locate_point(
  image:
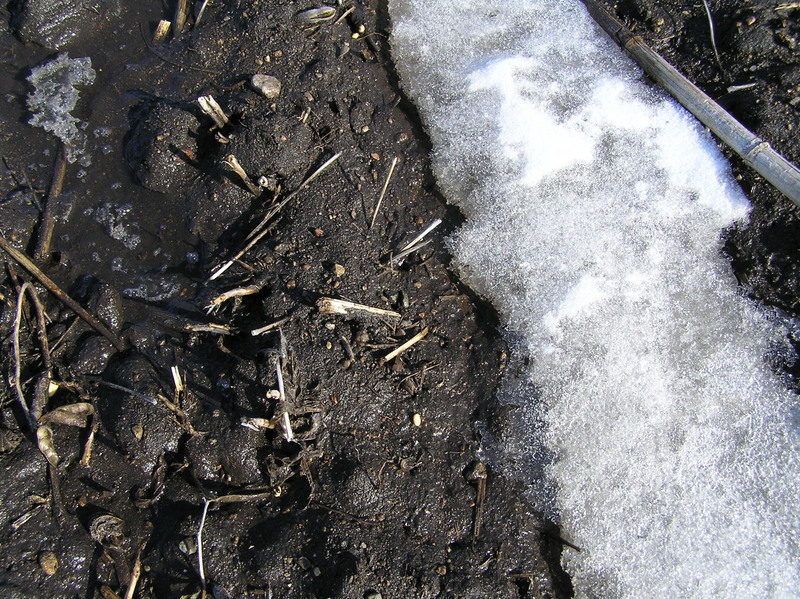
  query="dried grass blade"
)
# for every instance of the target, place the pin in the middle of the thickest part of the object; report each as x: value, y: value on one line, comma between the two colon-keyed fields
x: 259, y: 231
x: 383, y: 192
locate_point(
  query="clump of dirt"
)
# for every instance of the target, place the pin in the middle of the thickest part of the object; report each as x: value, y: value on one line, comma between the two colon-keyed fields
x: 239, y: 432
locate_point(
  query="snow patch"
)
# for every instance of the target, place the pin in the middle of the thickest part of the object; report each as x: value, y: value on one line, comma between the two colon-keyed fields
x: 54, y: 97
x: 653, y: 429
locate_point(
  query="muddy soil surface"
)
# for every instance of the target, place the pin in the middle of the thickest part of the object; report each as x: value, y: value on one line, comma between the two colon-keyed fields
x: 323, y: 450
x: 326, y: 464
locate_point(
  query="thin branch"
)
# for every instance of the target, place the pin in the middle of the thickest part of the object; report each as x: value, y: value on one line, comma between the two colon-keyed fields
x: 257, y: 233
x: 287, y: 425
x: 422, y: 235
x: 135, y: 574
x: 200, y: 567
x: 147, y: 398
x: 396, y: 258
x: 92, y: 321
x: 17, y: 369
x: 329, y: 305
x: 200, y: 13
x: 383, y: 192
x: 413, y: 341
x: 48, y: 217
x: 269, y: 327
x: 711, y: 32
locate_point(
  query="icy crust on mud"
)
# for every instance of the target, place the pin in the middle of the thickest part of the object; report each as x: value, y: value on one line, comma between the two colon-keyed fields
x: 54, y: 97
x: 595, y: 207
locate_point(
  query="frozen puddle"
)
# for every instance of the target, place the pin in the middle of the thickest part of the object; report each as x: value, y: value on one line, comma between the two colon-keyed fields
x: 595, y: 207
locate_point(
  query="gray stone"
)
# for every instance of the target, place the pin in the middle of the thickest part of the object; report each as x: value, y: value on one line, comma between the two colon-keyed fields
x: 267, y: 85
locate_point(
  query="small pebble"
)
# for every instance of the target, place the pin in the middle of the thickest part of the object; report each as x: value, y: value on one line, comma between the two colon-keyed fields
x: 188, y: 546
x: 48, y: 562
x: 338, y: 270
x: 372, y: 595
x: 267, y: 85
x: 416, y: 419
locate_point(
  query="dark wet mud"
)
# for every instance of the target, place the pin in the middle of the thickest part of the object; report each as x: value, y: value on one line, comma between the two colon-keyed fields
x: 334, y: 450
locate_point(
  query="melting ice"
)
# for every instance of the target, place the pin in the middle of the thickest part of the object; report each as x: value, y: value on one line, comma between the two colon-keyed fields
x: 595, y: 206
x: 55, y: 97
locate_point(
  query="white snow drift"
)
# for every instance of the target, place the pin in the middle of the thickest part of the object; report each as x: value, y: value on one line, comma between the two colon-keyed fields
x: 595, y: 206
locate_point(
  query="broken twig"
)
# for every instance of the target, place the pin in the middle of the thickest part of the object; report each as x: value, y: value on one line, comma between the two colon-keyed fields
x: 383, y: 192
x: 329, y: 305
x: 48, y: 216
x: 232, y: 162
x: 345, y: 14
x: 147, y: 398
x: 711, y: 33
x: 200, y: 13
x: 217, y: 329
x: 259, y: 231
x: 210, y: 107
x: 199, y: 540
x: 87, y: 448
x: 92, y: 321
x: 287, y: 425
x: 479, y: 474
x: 232, y: 293
x: 397, y: 258
x: 35, y: 411
x: 757, y: 153
x: 269, y: 327
x: 411, y: 342
x: 422, y: 235
x: 136, y: 572
x: 162, y: 29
